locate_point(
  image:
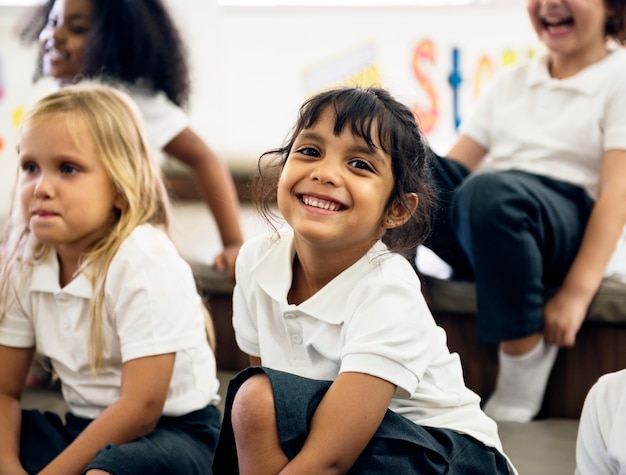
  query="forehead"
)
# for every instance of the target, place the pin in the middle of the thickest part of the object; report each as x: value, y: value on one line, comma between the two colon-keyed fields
x: 344, y: 123
x: 55, y: 131
x: 72, y: 7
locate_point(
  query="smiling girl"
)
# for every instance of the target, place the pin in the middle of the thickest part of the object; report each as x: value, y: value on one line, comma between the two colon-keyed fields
x: 537, y: 220
x: 350, y: 372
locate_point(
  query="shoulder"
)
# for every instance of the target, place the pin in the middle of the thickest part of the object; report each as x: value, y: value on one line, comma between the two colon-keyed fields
x: 617, y: 58
x: 255, y: 248
x: 390, y: 266
x: 147, y: 247
x: 610, y: 389
x: 512, y: 81
x: 612, y: 71
x: 380, y: 279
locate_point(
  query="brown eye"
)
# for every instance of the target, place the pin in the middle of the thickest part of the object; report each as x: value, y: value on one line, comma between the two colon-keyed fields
x: 361, y: 165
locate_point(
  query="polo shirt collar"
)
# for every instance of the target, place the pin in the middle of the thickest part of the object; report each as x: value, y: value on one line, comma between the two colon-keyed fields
x: 273, y: 272
x: 45, y: 278
x: 586, y: 82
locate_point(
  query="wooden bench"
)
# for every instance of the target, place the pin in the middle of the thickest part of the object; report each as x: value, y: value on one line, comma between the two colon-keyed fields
x: 599, y: 345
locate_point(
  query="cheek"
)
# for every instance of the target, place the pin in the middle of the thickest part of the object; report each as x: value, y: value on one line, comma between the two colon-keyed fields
x: 43, y: 36
x: 78, y: 48
x: 282, y: 189
x: 286, y: 179
x: 23, y: 202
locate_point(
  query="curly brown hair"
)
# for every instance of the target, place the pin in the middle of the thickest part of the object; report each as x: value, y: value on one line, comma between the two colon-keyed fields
x: 129, y: 40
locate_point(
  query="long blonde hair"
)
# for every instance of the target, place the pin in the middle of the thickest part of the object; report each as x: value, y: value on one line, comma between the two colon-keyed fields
x: 115, y: 130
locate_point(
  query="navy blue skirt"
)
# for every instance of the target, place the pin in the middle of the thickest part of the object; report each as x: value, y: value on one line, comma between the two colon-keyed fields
x: 398, y: 446
x: 181, y: 445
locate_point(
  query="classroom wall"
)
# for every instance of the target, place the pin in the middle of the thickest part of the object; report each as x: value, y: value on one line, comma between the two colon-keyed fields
x: 253, y: 67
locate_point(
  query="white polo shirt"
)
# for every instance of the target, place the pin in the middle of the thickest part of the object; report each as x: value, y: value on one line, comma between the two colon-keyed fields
x: 558, y: 128
x: 370, y: 319
x: 601, y: 442
x: 152, y: 308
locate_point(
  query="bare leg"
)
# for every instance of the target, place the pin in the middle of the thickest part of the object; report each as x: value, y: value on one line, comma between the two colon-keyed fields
x: 520, y: 346
x: 255, y: 428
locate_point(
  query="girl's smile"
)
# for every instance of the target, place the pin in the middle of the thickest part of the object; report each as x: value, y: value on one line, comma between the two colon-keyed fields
x: 572, y: 30
x: 64, y: 39
x: 321, y: 203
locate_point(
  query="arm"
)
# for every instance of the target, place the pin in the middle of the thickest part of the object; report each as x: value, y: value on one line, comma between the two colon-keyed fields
x: 468, y: 152
x: 15, y: 364
x: 144, y: 387
x: 343, y: 424
x: 565, y: 312
x: 218, y: 190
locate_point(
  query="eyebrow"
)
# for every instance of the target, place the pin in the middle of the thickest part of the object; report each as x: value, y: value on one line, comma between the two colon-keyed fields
x: 79, y: 16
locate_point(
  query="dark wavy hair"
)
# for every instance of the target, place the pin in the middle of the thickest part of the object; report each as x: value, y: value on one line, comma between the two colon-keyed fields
x: 615, y: 27
x: 129, y: 40
x: 375, y: 116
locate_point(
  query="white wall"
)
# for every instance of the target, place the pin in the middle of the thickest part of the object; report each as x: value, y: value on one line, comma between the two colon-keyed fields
x: 253, y: 67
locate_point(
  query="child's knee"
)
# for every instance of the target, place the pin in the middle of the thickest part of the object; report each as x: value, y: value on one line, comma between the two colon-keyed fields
x: 490, y: 198
x: 253, y: 405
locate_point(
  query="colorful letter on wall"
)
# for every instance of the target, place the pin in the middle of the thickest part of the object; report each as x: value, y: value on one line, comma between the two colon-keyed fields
x: 455, y: 79
x: 426, y: 116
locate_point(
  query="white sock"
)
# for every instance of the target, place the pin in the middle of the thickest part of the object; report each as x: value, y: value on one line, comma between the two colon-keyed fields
x: 521, y: 384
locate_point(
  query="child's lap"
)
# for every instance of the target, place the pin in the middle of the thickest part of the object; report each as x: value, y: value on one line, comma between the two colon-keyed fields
x: 398, y: 446
x: 182, y: 445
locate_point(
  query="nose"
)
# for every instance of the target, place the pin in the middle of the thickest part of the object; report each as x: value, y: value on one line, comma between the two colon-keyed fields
x: 43, y: 188
x: 327, y: 171
x: 51, y: 32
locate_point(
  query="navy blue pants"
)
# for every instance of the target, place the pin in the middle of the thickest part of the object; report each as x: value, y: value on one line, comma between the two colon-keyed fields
x: 514, y: 234
x: 399, y: 446
x: 180, y: 445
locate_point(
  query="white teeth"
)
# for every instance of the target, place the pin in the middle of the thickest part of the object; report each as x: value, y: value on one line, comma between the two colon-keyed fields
x: 55, y: 54
x: 317, y: 203
x: 557, y: 21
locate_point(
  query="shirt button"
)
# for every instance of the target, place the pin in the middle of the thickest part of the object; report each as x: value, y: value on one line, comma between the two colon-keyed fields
x: 296, y: 339
x: 62, y: 298
x: 66, y: 325
x: 290, y: 315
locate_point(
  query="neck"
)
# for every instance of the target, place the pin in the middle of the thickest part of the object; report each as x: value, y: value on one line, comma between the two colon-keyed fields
x: 562, y: 66
x: 314, y: 267
x: 68, y: 265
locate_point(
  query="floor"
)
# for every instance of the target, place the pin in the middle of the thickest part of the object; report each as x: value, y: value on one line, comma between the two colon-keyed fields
x: 544, y: 447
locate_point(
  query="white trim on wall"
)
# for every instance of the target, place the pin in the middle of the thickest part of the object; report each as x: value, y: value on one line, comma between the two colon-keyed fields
x: 348, y: 3
x: 18, y: 3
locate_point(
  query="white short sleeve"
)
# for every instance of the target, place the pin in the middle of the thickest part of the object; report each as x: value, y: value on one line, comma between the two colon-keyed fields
x: 602, y: 430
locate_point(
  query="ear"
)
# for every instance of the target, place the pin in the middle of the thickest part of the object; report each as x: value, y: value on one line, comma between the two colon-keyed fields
x: 399, y: 213
x: 119, y: 202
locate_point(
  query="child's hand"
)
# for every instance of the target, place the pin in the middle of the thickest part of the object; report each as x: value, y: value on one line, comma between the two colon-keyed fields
x: 225, y: 261
x: 563, y: 316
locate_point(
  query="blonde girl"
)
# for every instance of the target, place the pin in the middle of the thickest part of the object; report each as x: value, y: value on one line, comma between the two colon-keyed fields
x: 90, y: 278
